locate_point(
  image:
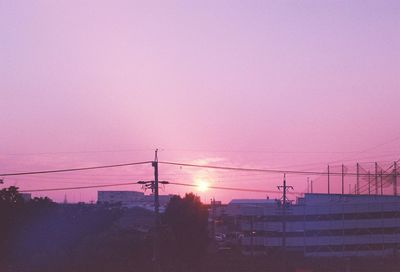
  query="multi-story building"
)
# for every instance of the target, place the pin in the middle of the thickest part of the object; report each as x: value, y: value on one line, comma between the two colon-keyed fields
x: 130, y: 199
x: 324, y: 225
x: 125, y: 198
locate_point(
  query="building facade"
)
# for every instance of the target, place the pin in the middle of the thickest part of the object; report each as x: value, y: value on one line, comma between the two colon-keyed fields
x: 321, y: 225
x: 130, y: 199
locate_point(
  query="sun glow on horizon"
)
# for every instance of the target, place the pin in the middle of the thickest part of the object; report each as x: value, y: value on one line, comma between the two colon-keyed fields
x: 202, y: 185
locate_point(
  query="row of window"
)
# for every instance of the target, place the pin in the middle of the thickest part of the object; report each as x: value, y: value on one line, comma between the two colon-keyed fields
x: 311, y: 249
x: 325, y: 217
x: 327, y: 232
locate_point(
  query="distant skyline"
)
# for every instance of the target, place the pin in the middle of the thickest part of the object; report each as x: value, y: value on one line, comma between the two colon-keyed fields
x: 262, y: 84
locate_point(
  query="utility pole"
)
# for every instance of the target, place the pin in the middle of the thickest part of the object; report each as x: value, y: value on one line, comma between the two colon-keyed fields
x: 213, y: 218
x: 381, y: 181
x: 376, y: 178
x: 252, y: 235
x: 369, y: 182
x: 284, y: 188
x: 395, y: 178
x: 357, y: 191
x: 329, y: 184
x: 153, y: 185
x: 342, y: 179
x: 156, y: 249
x: 312, y: 188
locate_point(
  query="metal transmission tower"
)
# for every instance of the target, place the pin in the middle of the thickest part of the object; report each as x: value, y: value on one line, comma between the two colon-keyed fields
x: 285, y: 203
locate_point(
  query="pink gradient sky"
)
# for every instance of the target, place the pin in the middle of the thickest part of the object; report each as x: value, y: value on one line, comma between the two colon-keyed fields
x: 271, y: 84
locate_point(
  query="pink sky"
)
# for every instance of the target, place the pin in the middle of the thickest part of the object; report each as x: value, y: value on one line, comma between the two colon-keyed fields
x: 267, y: 84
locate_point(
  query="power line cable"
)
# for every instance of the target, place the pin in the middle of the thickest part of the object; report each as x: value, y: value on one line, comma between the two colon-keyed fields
x: 259, y: 169
x: 232, y: 188
x: 181, y: 164
x: 75, y: 152
x: 258, y: 151
x: 78, y: 187
x: 72, y: 169
x: 135, y: 183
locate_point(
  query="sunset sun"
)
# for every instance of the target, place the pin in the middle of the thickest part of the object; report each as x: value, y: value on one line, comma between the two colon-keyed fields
x: 202, y: 185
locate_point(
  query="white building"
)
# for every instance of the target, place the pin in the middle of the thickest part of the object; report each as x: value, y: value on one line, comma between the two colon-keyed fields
x: 130, y: 199
x: 321, y: 225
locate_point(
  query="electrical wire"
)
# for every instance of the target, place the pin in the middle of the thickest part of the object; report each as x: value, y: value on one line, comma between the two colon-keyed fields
x: 78, y: 187
x: 169, y: 183
x: 72, y: 169
x: 233, y: 188
x: 259, y: 169
x: 172, y: 183
x: 76, y: 152
x: 256, y: 151
x: 183, y: 164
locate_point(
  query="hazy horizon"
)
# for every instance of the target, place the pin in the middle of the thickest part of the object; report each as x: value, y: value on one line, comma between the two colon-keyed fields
x: 259, y: 84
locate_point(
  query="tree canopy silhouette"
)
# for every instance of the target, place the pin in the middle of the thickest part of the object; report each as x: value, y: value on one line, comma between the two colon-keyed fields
x: 186, y: 219
x: 10, y: 197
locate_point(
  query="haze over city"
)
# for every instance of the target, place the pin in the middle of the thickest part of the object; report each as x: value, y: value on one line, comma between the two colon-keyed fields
x: 256, y: 84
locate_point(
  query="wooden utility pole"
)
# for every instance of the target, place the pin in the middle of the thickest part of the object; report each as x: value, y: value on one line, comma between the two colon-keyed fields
x: 156, y: 248
x: 154, y: 185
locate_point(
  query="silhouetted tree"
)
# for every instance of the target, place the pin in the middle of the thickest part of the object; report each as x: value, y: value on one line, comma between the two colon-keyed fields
x: 11, y: 206
x: 10, y: 197
x: 186, y: 219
